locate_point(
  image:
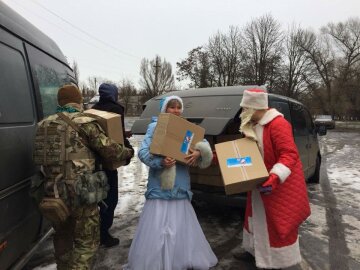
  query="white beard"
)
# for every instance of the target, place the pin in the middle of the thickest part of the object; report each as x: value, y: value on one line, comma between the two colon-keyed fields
x: 246, y: 126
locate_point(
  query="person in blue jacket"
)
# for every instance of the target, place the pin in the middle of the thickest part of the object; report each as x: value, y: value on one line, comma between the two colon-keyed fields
x: 169, y: 236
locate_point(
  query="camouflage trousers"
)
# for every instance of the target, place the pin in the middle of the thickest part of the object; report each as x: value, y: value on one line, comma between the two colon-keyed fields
x: 77, y: 239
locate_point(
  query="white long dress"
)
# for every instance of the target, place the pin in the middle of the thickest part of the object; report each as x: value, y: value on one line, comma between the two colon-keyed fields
x: 169, y: 237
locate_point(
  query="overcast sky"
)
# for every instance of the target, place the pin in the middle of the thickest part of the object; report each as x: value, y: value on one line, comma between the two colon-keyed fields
x: 132, y: 29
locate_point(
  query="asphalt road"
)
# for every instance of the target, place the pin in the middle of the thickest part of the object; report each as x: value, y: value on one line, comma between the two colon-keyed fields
x: 329, y: 239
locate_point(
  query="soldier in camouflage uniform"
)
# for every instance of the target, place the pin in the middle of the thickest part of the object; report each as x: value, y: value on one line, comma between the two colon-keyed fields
x: 77, y: 239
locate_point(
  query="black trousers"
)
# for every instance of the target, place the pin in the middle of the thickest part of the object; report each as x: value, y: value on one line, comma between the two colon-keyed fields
x: 107, y: 214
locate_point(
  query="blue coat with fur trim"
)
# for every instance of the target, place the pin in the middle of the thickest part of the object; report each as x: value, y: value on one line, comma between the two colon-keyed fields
x: 181, y: 189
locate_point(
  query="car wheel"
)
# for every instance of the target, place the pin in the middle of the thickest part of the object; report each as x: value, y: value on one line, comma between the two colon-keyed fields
x: 315, y: 178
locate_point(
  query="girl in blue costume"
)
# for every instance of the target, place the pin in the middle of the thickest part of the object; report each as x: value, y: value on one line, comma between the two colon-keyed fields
x: 169, y: 236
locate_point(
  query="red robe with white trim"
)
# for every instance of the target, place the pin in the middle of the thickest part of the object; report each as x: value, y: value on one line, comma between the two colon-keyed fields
x: 272, y: 221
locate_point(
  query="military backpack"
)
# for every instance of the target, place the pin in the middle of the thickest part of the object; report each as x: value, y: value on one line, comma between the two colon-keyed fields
x: 62, y: 151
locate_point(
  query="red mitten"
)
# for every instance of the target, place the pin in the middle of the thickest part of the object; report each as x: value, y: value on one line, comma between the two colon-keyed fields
x: 270, y: 184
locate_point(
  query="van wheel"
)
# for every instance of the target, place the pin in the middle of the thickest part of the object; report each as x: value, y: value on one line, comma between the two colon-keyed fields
x: 315, y: 178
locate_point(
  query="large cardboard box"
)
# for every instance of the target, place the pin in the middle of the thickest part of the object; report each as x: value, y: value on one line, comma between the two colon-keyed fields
x: 173, y: 136
x: 241, y: 165
x: 110, y: 122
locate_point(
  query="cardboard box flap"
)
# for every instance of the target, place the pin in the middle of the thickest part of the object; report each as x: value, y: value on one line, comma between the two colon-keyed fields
x: 102, y: 114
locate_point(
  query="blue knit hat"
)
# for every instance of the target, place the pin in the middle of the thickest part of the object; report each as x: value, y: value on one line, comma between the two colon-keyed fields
x: 164, y: 102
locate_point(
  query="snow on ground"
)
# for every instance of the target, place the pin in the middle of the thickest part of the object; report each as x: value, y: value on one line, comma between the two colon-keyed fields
x: 341, y: 156
x: 343, y: 172
x: 343, y: 167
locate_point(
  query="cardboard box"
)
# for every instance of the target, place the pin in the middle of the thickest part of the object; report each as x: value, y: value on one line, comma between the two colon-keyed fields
x: 110, y: 122
x: 173, y: 136
x: 241, y: 165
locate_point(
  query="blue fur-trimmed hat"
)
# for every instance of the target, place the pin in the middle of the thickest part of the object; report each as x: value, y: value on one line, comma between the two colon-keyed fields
x: 164, y: 102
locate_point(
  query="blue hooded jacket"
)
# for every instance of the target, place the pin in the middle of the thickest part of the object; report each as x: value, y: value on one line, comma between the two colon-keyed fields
x: 108, y: 91
x: 181, y: 189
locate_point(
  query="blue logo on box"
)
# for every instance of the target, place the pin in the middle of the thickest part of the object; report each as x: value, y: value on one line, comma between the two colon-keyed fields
x: 238, y: 162
x: 186, y: 142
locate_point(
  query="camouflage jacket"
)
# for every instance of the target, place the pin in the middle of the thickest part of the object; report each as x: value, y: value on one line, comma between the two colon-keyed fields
x: 80, y: 153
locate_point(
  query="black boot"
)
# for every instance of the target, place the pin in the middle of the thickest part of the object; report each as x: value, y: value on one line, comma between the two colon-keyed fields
x: 106, y: 240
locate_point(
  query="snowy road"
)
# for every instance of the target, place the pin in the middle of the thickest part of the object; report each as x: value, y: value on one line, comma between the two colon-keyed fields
x: 330, y: 238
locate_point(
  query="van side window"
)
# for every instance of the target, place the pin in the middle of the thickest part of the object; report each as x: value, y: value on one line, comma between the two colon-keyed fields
x: 299, y: 120
x: 282, y: 107
x: 15, y: 98
x: 50, y: 75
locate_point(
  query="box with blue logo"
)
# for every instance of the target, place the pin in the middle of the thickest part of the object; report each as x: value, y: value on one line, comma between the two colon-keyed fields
x: 241, y: 165
x: 174, y: 135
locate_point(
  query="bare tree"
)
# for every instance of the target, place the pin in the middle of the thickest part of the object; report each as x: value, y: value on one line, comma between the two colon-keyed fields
x: 196, y: 67
x: 156, y: 77
x: 95, y: 81
x: 320, y: 52
x: 297, y: 70
x: 126, y: 90
x: 225, y: 51
x: 262, y: 39
x: 346, y: 38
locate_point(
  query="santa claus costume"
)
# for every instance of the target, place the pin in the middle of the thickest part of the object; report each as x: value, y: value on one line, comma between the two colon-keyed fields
x: 272, y: 219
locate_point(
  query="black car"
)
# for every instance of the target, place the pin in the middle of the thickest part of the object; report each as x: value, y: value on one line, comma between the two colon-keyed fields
x: 324, y: 120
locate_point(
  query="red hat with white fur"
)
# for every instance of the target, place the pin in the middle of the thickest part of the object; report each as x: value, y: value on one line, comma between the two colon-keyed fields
x: 255, y: 98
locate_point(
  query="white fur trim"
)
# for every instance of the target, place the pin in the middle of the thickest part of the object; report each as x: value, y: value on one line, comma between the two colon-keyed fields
x: 167, y: 177
x: 166, y: 101
x: 254, y: 99
x: 206, y: 154
x: 269, y: 116
x: 281, y: 170
x: 257, y: 240
x: 259, y: 131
